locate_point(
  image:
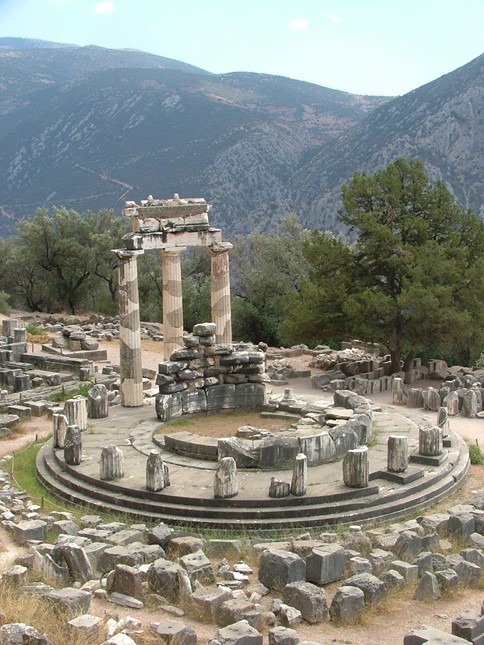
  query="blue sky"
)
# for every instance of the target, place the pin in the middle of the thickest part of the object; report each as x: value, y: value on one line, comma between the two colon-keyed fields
x: 384, y: 47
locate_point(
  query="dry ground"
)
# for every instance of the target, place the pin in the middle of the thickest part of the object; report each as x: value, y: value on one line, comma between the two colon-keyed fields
x: 385, y: 625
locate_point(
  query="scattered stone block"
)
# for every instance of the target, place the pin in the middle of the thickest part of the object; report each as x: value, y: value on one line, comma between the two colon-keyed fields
x: 283, y: 636
x: 14, y: 633
x: 174, y: 632
x: 169, y: 579
x: 124, y: 600
x: 309, y: 599
x: 216, y: 548
x: 428, y: 588
x: 69, y: 600
x: 233, y: 610
x: 279, y: 568
x: 448, y: 580
x: 85, y: 626
x: 183, y: 545
x: 469, y: 625
x: 239, y: 633
x: 408, y: 571
x: 380, y: 560
x: 127, y: 580
x: 77, y: 562
x: 27, y: 530
x: 358, y: 564
x: 427, y: 634
x: 408, y: 545
x: 15, y: 576
x: 325, y: 564
x: 461, y: 526
x: 289, y: 616
x: 393, y: 579
x: 198, y: 567
x: 206, y: 601
x: 347, y: 605
x: 160, y: 534
x: 469, y: 574
x: 373, y: 588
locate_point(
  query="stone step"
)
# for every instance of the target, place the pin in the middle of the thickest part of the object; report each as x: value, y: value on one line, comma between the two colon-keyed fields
x: 406, y: 500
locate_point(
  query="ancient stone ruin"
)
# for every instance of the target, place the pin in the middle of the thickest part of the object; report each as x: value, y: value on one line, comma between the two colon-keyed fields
x: 169, y: 226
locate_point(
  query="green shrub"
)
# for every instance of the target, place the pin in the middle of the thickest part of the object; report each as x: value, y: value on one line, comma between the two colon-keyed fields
x: 480, y: 361
x: 34, y: 330
x: 475, y: 454
x: 4, y: 306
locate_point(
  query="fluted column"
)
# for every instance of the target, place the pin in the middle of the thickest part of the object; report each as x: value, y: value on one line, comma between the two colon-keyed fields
x: 172, y: 301
x: 131, y: 375
x: 220, y: 291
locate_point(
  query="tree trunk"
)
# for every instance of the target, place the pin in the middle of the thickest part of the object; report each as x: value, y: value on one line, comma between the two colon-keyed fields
x: 395, y: 358
x: 409, y: 360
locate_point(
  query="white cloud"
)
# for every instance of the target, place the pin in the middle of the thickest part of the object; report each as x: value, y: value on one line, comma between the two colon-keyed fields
x: 298, y: 23
x: 334, y: 18
x: 104, y: 7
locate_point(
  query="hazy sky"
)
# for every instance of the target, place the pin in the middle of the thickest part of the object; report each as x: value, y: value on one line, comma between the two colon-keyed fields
x: 363, y: 46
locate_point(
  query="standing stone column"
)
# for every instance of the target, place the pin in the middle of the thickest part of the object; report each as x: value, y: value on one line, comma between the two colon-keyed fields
x: 220, y: 291
x: 430, y: 441
x: 398, y: 392
x: 356, y: 468
x: 59, y: 428
x: 97, y: 402
x: 157, y: 474
x: 73, y: 446
x: 76, y: 412
x: 131, y: 375
x: 111, y: 465
x: 443, y: 421
x: 397, y: 455
x: 225, y: 481
x: 172, y: 301
x: 299, y: 475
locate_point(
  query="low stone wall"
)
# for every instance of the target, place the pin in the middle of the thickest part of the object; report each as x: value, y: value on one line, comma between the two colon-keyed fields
x: 318, y: 434
x: 208, y: 377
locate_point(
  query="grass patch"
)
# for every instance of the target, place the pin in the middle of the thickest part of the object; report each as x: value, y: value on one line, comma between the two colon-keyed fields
x: 65, y: 394
x: 23, y: 473
x: 475, y: 455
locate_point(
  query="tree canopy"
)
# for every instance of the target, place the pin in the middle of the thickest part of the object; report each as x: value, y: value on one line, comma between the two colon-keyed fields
x: 413, y: 277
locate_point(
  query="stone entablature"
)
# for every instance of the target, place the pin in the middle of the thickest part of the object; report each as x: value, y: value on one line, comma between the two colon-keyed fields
x: 170, y: 223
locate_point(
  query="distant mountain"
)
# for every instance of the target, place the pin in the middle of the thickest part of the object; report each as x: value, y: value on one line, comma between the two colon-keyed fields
x: 88, y: 128
x: 441, y: 123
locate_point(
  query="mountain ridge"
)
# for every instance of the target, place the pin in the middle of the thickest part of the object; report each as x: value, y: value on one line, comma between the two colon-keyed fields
x: 88, y: 128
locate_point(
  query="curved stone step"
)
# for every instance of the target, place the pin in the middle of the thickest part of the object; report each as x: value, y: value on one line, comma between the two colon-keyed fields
x: 235, y: 513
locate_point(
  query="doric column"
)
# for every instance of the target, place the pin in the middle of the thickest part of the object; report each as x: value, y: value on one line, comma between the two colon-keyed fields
x: 220, y: 293
x: 129, y: 330
x: 172, y: 301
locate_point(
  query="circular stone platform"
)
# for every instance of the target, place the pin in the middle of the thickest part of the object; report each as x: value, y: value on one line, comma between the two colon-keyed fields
x: 189, y: 499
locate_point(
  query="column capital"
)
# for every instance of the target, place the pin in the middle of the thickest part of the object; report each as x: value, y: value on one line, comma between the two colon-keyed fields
x: 173, y: 250
x: 221, y: 247
x: 126, y: 254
